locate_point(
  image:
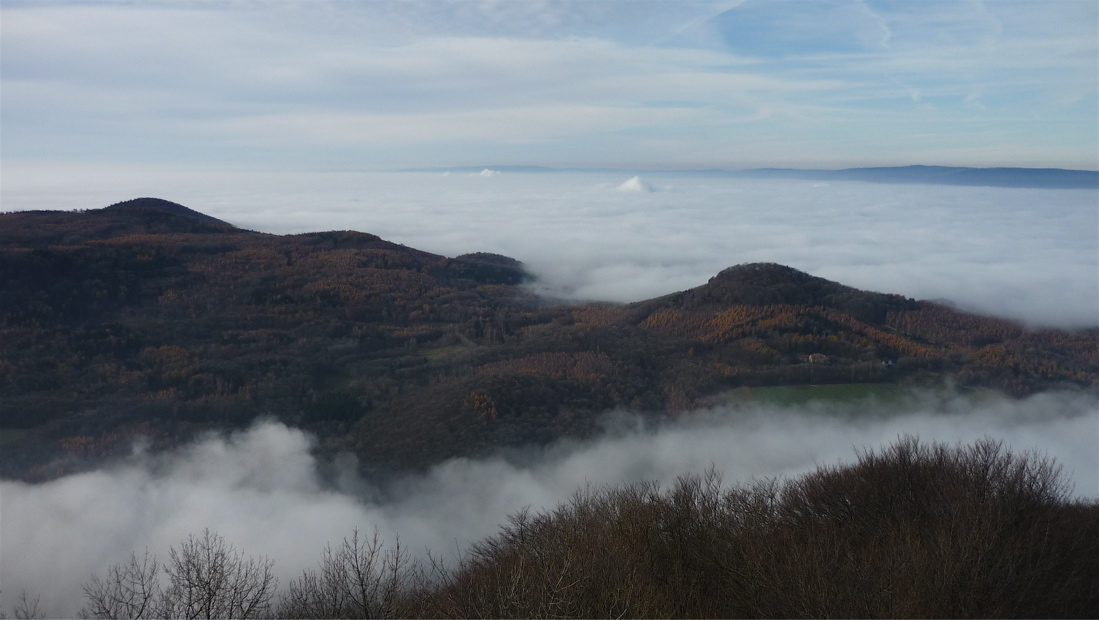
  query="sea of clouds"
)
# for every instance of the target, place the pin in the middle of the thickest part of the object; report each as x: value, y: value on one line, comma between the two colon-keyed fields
x: 265, y: 493
x: 1026, y: 254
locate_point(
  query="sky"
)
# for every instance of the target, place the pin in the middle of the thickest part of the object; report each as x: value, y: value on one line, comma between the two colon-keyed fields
x: 267, y: 494
x: 341, y: 85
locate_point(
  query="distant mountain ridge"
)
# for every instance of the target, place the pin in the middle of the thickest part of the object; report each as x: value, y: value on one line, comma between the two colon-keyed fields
x: 1039, y: 178
x: 1043, y: 178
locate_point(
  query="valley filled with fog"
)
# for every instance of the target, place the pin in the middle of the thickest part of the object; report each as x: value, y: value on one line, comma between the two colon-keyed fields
x: 1025, y: 254
x: 266, y: 493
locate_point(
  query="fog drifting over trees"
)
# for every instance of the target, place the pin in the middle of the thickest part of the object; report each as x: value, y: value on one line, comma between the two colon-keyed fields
x: 265, y: 493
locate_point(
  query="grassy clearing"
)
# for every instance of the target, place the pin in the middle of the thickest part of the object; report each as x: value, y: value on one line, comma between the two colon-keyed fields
x: 802, y: 394
x: 12, y: 435
x: 442, y: 351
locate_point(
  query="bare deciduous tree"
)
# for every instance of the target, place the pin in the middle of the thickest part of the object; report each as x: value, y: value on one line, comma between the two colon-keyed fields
x: 207, y: 578
x: 358, y: 579
x: 130, y: 590
x: 25, y: 609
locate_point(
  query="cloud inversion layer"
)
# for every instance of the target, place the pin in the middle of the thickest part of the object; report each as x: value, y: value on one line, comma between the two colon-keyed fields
x: 1028, y: 254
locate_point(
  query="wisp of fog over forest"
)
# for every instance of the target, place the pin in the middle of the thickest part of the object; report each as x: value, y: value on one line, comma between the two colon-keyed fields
x: 265, y: 492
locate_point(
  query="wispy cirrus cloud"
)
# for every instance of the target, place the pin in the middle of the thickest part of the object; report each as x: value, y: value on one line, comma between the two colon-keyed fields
x: 848, y: 82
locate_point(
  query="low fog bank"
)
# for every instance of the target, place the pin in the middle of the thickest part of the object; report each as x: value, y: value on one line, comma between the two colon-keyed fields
x: 265, y: 493
x: 1026, y: 254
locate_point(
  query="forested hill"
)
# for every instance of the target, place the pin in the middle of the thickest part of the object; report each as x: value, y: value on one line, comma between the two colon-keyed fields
x: 138, y: 216
x: 147, y: 319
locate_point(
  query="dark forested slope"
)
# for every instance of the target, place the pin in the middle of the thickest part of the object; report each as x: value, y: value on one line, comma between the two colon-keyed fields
x: 147, y: 319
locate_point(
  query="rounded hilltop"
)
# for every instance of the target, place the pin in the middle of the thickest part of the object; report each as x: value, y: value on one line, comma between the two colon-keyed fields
x: 760, y: 284
x: 166, y: 211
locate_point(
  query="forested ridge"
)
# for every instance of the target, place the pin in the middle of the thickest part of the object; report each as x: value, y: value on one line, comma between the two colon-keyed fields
x: 149, y: 320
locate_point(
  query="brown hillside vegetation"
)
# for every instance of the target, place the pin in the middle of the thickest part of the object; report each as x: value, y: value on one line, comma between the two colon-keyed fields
x: 914, y: 530
x: 149, y: 320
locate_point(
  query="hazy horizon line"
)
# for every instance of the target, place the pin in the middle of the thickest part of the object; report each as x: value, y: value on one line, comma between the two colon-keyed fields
x: 644, y: 168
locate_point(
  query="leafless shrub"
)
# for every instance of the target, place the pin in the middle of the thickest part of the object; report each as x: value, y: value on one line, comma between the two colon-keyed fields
x: 933, y: 530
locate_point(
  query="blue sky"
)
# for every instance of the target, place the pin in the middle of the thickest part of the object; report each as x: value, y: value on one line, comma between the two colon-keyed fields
x: 381, y: 85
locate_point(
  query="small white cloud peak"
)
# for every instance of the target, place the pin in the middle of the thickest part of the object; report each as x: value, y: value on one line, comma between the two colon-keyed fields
x: 635, y: 184
x: 489, y: 173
